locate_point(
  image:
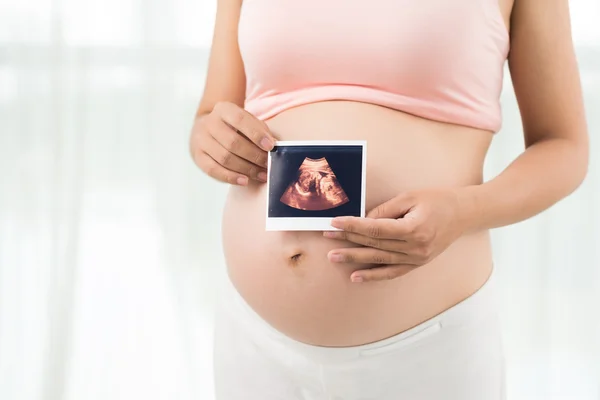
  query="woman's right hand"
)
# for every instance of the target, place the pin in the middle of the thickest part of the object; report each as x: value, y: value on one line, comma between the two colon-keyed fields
x: 231, y: 145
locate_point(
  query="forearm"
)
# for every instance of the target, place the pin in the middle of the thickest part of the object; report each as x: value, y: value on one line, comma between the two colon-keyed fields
x: 541, y: 176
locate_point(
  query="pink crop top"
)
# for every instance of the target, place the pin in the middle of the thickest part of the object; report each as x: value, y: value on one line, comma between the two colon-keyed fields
x: 437, y: 59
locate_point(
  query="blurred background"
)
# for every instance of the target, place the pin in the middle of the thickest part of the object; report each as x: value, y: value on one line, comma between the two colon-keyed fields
x: 109, y: 235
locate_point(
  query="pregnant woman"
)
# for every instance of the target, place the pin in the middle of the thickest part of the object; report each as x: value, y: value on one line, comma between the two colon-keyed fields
x: 399, y: 304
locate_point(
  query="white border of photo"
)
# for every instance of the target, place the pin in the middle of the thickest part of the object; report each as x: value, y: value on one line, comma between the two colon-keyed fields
x: 313, y: 223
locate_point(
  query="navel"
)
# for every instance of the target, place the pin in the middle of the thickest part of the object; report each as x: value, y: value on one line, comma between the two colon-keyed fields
x: 295, y: 259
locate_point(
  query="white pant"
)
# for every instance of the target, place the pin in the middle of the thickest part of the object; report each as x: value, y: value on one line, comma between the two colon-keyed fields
x: 456, y: 355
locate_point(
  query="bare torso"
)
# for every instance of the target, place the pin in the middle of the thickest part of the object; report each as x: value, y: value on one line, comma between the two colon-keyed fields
x: 286, y: 276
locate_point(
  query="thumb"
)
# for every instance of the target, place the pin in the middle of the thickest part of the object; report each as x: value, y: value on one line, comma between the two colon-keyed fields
x: 394, y: 208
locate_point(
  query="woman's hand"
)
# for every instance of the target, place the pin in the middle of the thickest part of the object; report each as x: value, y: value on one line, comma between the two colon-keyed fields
x: 401, y: 234
x: 231, y: 145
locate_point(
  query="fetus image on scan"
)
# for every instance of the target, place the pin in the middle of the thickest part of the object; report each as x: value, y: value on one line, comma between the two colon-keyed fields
x: 315, y: 188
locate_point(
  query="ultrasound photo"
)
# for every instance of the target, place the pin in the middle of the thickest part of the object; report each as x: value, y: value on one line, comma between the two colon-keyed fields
x: 311, y: 182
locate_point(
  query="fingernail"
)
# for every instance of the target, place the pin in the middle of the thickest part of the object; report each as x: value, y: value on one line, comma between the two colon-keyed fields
x: 337, y: 222
x: 357, y: 279
x: 329, y: 234
x: 262, y: 176
x: 242, y: 180
x: 335, y: 257
x: 266, y: 143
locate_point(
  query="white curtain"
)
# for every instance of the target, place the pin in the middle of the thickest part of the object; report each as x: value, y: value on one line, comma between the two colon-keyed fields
x: 109, y: 236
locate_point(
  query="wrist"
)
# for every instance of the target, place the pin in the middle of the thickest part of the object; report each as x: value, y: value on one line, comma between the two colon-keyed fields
x: 470, y: 210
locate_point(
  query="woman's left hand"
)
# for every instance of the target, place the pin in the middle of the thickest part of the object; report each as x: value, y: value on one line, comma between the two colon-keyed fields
x: 406, y: 232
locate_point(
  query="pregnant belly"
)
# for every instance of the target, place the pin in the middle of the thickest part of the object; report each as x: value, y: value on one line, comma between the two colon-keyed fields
x: 286, y: 276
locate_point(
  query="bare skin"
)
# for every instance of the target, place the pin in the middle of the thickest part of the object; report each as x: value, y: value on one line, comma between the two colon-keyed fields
x: 430, y: 212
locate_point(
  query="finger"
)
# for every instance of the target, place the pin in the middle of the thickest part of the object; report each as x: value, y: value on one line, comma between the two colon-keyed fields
x: 400, y: 246
x: 218, y: 172
x: 385, y: 228
x: 232, y: 162
x: 366, y: 255
x: 237, y: 144
x: 381, y: 273
x: 396, y: 207
x: 247, y: 124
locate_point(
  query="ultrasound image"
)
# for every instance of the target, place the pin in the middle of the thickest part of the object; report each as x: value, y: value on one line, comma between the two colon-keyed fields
x: 316, y: 187
x: 315, y: 181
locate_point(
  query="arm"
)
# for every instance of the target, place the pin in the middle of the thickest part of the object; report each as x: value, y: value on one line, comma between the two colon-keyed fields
x: 225, y: 78
x: 226, y: 142
x: 546, y: 82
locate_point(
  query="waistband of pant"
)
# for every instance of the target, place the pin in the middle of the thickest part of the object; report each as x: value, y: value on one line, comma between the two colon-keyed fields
x: 478, y: 306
